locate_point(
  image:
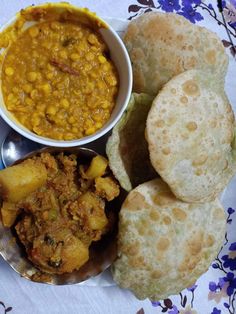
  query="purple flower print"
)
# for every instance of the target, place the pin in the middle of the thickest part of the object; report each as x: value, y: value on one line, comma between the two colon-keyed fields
x: 216, y: 287
x: 230, y: 210
x: 191, y: 2
x: 174, y: 310
x: 226, y: 305
x: 210, y: 6
x: 221, y: 283
x: 215, y: 265
x: 166, y: 306
x: 233, y: 2
x: 156, y: 303
x: 232, y: 246
x: 191, y: 13
x: 192, y: 288
x: 232, y: 283
x: 230, y: 13
x: 217, y: 291
x: 229, y: 262
x: 213, y: 286
x: 216, y: 311
x: 169, y: 5
x: 221, y: 5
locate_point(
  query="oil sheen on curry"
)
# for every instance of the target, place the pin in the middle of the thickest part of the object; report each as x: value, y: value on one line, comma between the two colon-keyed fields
x: 58, y: 79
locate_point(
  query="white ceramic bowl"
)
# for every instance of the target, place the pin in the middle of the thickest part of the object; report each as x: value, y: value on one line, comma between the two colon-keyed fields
x: 120, y: 57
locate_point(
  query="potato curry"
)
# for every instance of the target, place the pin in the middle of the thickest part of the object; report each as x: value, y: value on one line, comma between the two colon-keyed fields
x: 58, y: 79
x: 57, y: 205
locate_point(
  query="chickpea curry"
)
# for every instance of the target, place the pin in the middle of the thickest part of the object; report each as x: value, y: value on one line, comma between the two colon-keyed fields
x: 57, y: 206
x: 58, y: 79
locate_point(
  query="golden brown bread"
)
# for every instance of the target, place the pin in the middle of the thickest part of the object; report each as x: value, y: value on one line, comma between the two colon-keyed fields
x: 190, y: 132
x: 127, y: 148
x: 162, y: 45
x: 164, y: 244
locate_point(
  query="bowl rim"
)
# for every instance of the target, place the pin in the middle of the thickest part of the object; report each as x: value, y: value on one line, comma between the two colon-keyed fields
x: 86, y: 139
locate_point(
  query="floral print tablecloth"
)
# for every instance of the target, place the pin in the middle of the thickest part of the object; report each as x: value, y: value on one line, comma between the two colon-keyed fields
x: 215, y: 291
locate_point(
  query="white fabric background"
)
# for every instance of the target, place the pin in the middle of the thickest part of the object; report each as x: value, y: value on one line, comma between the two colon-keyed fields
x: 26, y: 297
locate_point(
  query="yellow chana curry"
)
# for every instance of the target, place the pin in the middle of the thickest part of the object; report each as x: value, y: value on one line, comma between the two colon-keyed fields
x: 57, y: 206
x: 58, y: 80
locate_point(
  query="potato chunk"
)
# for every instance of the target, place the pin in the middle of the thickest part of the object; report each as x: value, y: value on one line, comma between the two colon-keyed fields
x: 97, y: 222
x: 97, y: 167
x: 74, y: 255
x: 107, y: 187
x: 58, y: 256
x: 19, y: 181
x: 8, y: 214
x: 93, y: 208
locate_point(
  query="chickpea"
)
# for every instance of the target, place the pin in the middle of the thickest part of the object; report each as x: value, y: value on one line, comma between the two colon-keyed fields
x: 63, y: 54
x: 89, y: 56
x: 27, y: 88
x: 71, y: 120
x: 55, y: 93
x: 32, y: 76
x: 98, y: 125
x: 49, y: 75
x: 41, y: 110
x: 9, y: 71
x: 10, y: 106
x: 29, y: 101
x: 46, y: 88
x: 20, y: 23
x: 51, y: 110
x: 75, y: 56
x: 69, y: 136
x: 37, y: 129
x: 97, y: 117
x: 94, y: 48
x: 22, y: 119
x: 36, y: 121
x: 111, y: 80
x: 105, y: 104
x: 10, y: 97
x: 50, y: 67
x: 55, y: 25
x: 80, y: 35
x: 101, y: 85
x: 88, y: 123
x: 16, y: 90
x: 106, y: 66
x: 92, y: 39
x: 88, y: 67
x: 75, y: 130
x: 93, y: 75
x: 65, y: 103
x: 90, y: 131
x: 34, y: 94
x: 102, y: 59
x: 34, y: 31
x: 82, y: 46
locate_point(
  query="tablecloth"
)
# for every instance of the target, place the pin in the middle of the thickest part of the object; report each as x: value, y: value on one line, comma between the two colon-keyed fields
x: 215, y: 291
